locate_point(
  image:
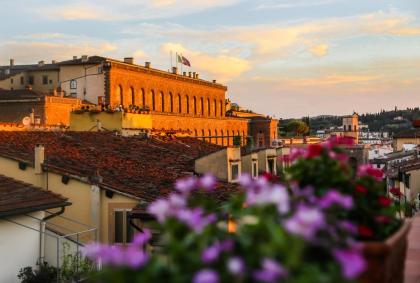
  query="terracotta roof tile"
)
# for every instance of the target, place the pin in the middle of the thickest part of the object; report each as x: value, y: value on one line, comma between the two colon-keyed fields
x: 145, y: 168
x: 17, y: 198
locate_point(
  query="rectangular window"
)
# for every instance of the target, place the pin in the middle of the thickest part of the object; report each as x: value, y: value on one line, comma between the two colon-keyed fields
x: 44, y: 80
x: 31, y: 80
x: 235, y: 171
x: 254, y: 170
x: 123, y: 231
x: 100, y: 70
x: 11, y: 81
x: 270, y: 163
x: 22, y: 80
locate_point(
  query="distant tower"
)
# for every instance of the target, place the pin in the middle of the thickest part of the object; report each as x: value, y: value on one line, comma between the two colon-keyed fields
x: 351, y: 126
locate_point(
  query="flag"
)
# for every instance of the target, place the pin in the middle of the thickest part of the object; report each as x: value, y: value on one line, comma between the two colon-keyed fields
x: 185, y: 61
x: 179, y: 58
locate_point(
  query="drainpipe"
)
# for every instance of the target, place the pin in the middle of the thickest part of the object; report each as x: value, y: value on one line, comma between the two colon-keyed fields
x: 42, y: 233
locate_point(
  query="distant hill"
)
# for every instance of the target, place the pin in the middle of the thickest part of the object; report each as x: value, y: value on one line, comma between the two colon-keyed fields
x: 394, y: 121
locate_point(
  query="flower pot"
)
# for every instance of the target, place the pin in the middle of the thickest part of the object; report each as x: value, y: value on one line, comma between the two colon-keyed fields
x: 386, y: 260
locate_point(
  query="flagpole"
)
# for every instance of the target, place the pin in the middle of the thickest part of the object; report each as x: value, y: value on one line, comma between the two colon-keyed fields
x: 171, y: 60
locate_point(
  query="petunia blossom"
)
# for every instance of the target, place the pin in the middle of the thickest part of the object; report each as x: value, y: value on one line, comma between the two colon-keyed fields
x: 351, y: 261
x: 206, y: 276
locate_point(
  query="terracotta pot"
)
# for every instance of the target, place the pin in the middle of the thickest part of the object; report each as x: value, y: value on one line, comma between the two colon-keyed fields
x: 386, y: 260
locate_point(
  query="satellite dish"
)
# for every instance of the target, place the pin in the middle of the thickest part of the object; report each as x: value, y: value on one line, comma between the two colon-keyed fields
x: 26, y: 121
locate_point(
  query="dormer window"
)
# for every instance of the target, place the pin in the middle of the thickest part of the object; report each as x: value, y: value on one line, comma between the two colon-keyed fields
x: 270, y: 165
x: 234, y: 168
x: 254, y: 169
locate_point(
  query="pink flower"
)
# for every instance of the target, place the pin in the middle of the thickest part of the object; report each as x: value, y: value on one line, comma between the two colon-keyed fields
x: 206, y: 276
x: 160, y: 209
x: 208, y: 182
x: 314, y: 150
x: 140, y: 239
x: 236, y: 266
x: 306, y: 222
x: 351, y: 261
x: 333, y: 197
x: 368, y: 170
x: 186, y: 185
x: 271, y: 271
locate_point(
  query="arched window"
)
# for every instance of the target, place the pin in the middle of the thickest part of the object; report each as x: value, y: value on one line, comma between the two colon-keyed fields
x: 133, y: 99
x: 215, y: 108
x: 215, y: 136
x: 223, y: 137
x: 143, y: 98
x: 153, y: 101
x: 195, y: 105
x: 119, y: 96
x: 209, y: 136
x: 243, y: 138
x: 202, y: 134
x: 202, y: 106
x: 179, y: 104
x: 188, y: 104
x: 195, y: 132
x: 221, y: 108
x: 171, y: 103
x: 208, y: 107
x: 162, y: 101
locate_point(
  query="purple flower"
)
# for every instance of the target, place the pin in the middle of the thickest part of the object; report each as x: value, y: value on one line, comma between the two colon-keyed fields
x: 245, y: 180
x: 348, y: 226
x: 208, y: 182
x: 206, y: 276
x: 333, y: 197
x: 186, y: 185
x: 351, y: 261
x: 269, y: 194
x: 271, y: 271
x: 305, y: 222
x: 160, y: 209
x: 140, y: 239
x: 236, y: 265
x: 211, y: 253
x: 135, y: 258
x: 195, y: 218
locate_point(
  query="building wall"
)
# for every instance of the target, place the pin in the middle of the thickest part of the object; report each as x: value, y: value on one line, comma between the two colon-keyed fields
x: 399, y: 142
x: 14, y: 82
x: 93, y: 81
x: 219, y: 163
x: 19, y: 246
x: 38, y: 85
x: 414, y: 183
x: 154, y: 89
x: 57, y: 110
x: 247, y: 163
x: 263, y: 131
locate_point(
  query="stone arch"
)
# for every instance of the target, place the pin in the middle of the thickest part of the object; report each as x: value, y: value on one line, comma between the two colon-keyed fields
x: 119, y: 97
x: 132, y: 97
x: 162, y: 101
x: 153, y: 100
x: 171, y: 103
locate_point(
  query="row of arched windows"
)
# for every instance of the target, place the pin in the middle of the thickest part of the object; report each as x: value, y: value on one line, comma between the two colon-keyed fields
x: 222, y: 137
x: 196, y: 106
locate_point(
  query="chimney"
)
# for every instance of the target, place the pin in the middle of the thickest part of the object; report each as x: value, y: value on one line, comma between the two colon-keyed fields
x: 147, y: 64
x: 74, y: 57
x: 174, y: 70
x: 12, y: 62
x: 214, y: 81
x: 129, y: 60
x: 85, y: 58
x: 193, y: 75
x: 189, y: 74
x: 53, y: 62
x: 184, y: 73
x: 39, y: 158
x: 197, y: 76
x: 41, y: 63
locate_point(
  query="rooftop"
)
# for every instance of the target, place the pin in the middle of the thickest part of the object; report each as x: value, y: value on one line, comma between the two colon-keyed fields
x: 17, y: 198
x: 144, y: 168
x: 410, y: 133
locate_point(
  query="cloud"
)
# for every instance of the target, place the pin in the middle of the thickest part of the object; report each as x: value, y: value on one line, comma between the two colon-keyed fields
x: 293, y: 4
x: 319, y: 50
x: 221, y: 66
x: 126, y: 10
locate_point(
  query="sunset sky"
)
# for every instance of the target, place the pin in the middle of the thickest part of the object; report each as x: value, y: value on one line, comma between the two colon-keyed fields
x: 282, y: 58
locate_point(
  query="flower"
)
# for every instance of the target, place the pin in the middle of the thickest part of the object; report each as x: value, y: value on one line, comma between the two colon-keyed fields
x: 348, y: 226
x: 351, y: 261
x: 186, y: 185
x: 314, y: 150
x: 333, y: 197
x: 270, y: 177
x: 384, y: 201
x: 236, y: 265
x: 208, y: 182
x: 383, y: 219
x: 396, y: 192
x: 365, y: 231
x: 206, y: 276
x: 142, y: 238
x: 271, y: 271
x: 160, y: 209
x: 195, y: 218
x: 269, y: 194
x: 368, y: 170
x: 361, y: 189
x: 211, y: 253
x: 305, y: 222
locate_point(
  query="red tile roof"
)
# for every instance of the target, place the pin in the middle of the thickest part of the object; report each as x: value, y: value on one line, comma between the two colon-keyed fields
x: 145, y: 168
x: 17, y: 198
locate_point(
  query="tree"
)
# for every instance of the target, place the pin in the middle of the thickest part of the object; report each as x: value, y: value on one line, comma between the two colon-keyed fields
x: 297, y: 127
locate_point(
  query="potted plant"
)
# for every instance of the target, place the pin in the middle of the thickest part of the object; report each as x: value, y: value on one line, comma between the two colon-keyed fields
x: 266, y: 232
x: 382, y: 233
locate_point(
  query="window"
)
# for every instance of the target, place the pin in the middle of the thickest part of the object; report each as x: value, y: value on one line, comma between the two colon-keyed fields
x: 215, y: 108
x: 133, y: 99
x: 179, y: 104
x: 215, y: 135
x: 208, y: 107
x: 202, y: 134
x: 171, y: 103
x: 202, y: 106
x: 254, y: 170
x: 162, y: 101
x: 31, y: 80
x: 209, y: 132
x: 73, y: 84
x: 22, y: 80
x: 235, y: 171
x: 44, y: 80
x: 188, y: 104
x: 122, y: 230
x: 119, y: 98
x: 270, y: 163
x: 143, y: 98
x: 11, y: 81
x: 153, y: 101
x: 195, y: 105
x: 221, y: 109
